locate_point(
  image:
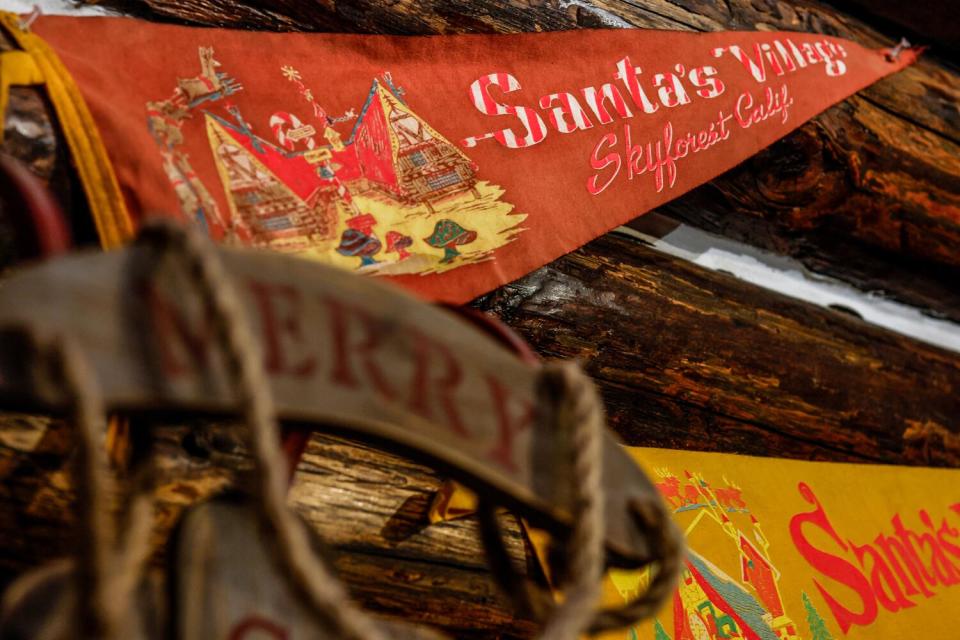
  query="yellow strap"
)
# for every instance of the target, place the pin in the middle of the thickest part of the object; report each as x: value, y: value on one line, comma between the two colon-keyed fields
x: 38, y: 64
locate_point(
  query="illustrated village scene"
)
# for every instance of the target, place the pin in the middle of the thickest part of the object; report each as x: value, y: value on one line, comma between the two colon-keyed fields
x: 732, y: 595
x: 376, y: 189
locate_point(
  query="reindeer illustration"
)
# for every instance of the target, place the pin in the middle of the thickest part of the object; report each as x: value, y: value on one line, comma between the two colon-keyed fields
x: 691, y: 495
x: 730, y: 497
x: 209, y: 85
x: 676, y: 495
x: 164, y: 119
x: 208, y: 82
x: 670, y: 490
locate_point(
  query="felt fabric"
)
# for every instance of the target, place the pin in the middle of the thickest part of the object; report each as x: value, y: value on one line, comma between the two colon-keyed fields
x: 450, y: 165
x: 790, y: 550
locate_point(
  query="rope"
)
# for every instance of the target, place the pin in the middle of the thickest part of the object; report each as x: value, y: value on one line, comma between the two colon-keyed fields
x: 571, y: 405
x: 96, y: 617
x: 310, y: 575
x: 108, y: 565
x: 576, y: 410
x: 666, y: 543
x: 893, y: 54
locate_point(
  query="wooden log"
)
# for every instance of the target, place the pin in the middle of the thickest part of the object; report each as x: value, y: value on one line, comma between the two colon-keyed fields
x: 693, y: 359
x: 368, y: 505
x: 871, y: 183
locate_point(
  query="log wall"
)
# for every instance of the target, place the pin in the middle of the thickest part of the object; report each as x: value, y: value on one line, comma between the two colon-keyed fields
x: 868, y: 192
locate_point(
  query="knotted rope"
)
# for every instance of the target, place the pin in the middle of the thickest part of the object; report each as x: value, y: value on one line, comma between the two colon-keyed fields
x: 110, y: 559
x: 570, y: 405
x: 666, y: 543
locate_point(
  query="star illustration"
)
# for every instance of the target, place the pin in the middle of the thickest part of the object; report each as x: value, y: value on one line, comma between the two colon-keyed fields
x: 290, y: 73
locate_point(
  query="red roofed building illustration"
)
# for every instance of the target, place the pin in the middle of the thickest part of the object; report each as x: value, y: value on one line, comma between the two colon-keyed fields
x: 274, y: 199
x: 392, y: 149
x: 303, y: 184
x: 278, y: 193
x: 757, y: 571
x: 710, y: 603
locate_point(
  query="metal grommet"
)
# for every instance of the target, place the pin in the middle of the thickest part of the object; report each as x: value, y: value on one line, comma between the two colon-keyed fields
x: 894, y: 54
x: 27, y: 21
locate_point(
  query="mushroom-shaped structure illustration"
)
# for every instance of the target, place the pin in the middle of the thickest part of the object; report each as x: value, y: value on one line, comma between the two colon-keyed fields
x: 398, y: 242
x: 363, y: 223
x: 448, y: 235
x: 359, y: 239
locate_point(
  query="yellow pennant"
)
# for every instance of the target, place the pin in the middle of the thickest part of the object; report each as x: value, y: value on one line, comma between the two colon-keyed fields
x: 790, y: 550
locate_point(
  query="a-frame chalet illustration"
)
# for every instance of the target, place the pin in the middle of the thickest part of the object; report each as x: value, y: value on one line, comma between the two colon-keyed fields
x: 350, y: 198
